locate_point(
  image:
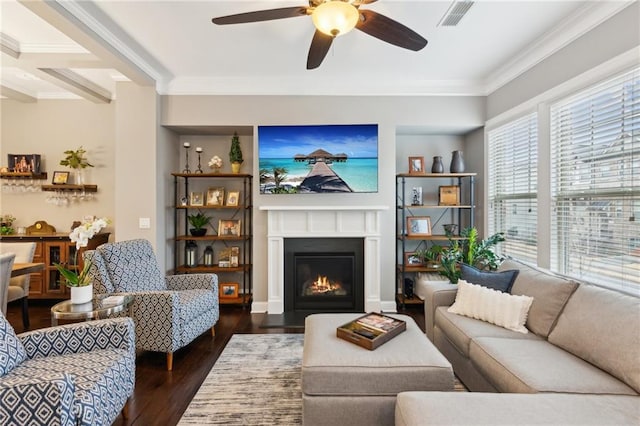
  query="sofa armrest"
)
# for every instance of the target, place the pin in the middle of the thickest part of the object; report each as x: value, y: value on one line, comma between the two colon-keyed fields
x: 436, y: 294
x: 117, y: 333
x: 193, y: 282
x: 56, y: 393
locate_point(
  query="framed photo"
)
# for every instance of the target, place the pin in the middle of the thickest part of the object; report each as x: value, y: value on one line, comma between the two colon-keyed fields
x: 416, y: 165
x: 196, y: 198
x: 229, y: 290
x: 229, y: 228
x: 60, y: 178
x: 416, y: 196
x: 419, y: 226
x: 215, y: 196
x: 449, y: 195
x: 233, y: 198
x: 412, y: 259
x: 184, y: 201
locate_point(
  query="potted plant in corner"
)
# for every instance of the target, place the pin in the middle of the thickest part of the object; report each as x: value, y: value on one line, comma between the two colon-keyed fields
x: 198, y: 222
x: 235, y: 153
x: 80, y: 282
x: 77, y: 162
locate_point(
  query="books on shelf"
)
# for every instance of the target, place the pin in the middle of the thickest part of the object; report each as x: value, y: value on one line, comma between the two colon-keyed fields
x: 371, y: 330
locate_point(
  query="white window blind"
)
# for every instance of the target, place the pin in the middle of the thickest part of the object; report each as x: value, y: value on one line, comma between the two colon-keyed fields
x: 513, y: 180
x: 595, y: 178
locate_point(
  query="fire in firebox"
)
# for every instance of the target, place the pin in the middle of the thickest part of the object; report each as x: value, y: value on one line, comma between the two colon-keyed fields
x: 323, y: 285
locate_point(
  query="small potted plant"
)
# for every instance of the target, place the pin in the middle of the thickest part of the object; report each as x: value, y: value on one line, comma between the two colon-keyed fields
x: 198, y: 222
x: 235, y: 153
x: 76, y: 161
x: 6, y: 224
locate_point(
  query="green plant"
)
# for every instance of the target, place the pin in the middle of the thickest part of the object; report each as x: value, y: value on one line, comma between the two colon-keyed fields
x: 199, y: 220
x: 469, y: 250
x: 6, y: 224
x: 235, y: 153
x: 75, y: 159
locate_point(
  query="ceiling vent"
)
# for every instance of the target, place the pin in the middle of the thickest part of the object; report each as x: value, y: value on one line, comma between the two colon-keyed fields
x: 455, y: 13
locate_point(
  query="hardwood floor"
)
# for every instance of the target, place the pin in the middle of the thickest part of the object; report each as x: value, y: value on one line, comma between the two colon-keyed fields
x: 161, y: 397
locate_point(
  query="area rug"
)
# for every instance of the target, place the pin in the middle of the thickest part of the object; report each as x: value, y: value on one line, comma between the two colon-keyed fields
x: 255, y: 381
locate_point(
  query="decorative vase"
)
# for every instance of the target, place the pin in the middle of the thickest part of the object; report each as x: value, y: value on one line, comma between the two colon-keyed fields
x: 437, y: 166
x: 457, y: 162
x: 235, y: 167
x: 80, y: 295
x: 215, y: 169
x: 78, y: 177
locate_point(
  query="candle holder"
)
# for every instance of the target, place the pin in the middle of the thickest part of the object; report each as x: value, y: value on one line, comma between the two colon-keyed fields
x: 186, y: 150
x: 199, y: 151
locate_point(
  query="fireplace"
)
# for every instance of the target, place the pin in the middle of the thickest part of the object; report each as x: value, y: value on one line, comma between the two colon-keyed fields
x: 323, y: 275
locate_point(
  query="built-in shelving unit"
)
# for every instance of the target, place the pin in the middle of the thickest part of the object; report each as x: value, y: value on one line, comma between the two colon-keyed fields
x: 68, y: 187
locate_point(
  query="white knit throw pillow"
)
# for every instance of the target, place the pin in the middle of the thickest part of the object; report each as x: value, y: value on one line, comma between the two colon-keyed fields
x: 503, y: 309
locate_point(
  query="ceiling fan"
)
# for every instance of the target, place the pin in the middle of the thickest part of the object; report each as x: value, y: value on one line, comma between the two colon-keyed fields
x: 333, y: 18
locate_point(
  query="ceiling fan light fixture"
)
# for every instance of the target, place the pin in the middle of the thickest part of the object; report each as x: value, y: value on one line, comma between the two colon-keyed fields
x: 335, y: 17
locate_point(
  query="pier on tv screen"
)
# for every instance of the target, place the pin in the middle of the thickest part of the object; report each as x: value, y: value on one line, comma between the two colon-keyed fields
x: 318, y: 159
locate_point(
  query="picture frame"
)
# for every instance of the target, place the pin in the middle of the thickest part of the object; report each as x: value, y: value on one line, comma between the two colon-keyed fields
x: 449, y: 195
x: 416, y: 165
x: 419, y: 226
x: 215, y: 196
x: 416, y: 196
x: 229, y: 290
x: 412, y: 259
x: 233, y: 198
x: 196, y: 198
x: 229, y: 228
x: 60, y: 178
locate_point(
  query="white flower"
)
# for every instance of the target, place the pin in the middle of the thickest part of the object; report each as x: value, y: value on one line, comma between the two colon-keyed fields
x: 215, y: 162
x: 83, y: 233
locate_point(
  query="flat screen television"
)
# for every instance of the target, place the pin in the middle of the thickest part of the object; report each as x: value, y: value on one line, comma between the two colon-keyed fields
x: 318, y: 159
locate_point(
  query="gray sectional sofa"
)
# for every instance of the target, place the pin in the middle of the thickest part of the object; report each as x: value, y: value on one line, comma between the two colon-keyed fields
x: 579, y: 363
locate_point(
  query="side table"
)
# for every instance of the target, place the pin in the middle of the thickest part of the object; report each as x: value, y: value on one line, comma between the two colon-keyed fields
x: 100, y: 307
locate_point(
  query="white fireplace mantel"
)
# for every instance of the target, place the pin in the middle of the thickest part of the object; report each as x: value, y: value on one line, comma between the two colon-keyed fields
x: 323, y: 222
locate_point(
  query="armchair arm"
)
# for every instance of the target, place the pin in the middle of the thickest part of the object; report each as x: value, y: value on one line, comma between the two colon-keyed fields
x: 437, y: 294
x: 117, y: 333
x: 192, y: 282
x: 55, y: 392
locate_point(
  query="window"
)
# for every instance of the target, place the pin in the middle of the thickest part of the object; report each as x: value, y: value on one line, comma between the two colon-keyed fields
x: 595, y: 184
x: 513, y: 175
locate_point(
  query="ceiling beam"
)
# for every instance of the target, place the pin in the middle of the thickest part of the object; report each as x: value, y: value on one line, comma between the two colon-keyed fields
x: 16, y: 95
x: 9, y: 45
x: 77, y: 84
x: 57, y: 14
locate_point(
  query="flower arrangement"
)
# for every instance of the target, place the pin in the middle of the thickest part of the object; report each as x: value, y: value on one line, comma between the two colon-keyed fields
x: 75, y: 159
x: 81, y: 236
x: 215, y: 162
x: 6, y: 222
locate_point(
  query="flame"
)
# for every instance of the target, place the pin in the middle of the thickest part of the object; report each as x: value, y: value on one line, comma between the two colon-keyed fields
x: 323, y: 285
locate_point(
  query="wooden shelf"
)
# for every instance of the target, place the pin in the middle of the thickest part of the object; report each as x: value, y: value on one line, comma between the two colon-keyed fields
x: 417, y: 268
x: 213, y: 207
x: 66, y: 187
x: 433, y: 206
x: 243, y: 299
x: 201, y: 269
x: 212, y: 175
x: 430, y: 237
x: 415, y: 300
x: 212, y: 237
x: 435, y: 175
x: 12, y: 175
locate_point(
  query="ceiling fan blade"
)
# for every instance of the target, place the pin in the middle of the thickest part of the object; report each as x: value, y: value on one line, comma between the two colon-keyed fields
x: 319, y: 47
x: 386, y: 29
x: 261, y: 15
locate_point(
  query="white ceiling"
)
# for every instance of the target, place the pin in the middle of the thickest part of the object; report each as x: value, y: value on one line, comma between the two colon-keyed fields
x: 174, y: 45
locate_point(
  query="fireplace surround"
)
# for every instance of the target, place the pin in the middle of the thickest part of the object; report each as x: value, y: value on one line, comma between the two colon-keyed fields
x: 323, y: 222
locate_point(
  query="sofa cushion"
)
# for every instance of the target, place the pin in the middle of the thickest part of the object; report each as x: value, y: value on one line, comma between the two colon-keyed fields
x: 493, y: 306
x: 531, y: 366
x: 550, y: 293
x: 460, y: 330
x: 602, y: 327
x: 481, y: 408
x: 501, y: 281
x: 12, y: 351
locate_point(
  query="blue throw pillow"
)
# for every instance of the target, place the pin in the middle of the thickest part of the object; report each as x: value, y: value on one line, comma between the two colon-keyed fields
x: 501, y: 281
x: 12, y: 353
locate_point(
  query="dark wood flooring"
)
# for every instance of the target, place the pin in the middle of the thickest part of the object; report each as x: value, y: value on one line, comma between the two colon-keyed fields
x: 161, y: 397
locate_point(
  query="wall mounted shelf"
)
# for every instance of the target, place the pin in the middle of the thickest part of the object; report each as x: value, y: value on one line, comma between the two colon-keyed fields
x: 65, y: 187
x: 12, y: 175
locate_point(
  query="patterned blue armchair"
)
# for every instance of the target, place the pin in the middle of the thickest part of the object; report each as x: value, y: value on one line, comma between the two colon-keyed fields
x: 169, y: 312
x: 76, y: 374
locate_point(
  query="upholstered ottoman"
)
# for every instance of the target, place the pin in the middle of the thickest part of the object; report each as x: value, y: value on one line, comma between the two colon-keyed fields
x: 345, y: 384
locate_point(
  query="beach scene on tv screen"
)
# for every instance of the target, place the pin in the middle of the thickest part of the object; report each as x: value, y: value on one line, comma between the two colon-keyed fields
x: 318, y: 159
